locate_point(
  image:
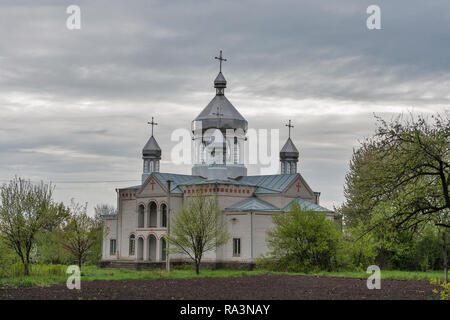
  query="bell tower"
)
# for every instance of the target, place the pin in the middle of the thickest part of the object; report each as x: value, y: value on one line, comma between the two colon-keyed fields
x: 219, y: 134
x: 151, y: 155
x: 289, y: 155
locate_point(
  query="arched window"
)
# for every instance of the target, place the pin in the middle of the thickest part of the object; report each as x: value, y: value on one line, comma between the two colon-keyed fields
x: 282, y: 167
x: 163, y: 216
x: 132, y: 245
x: 294, y: 167
x: 236, y: 151
x: 288, y: 167
x: 141, y: 216
x: 157, y: 166
x: 151, y: 166
x: 152, y: 215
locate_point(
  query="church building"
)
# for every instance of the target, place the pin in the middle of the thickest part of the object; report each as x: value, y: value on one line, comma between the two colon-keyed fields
x: 134, y: 236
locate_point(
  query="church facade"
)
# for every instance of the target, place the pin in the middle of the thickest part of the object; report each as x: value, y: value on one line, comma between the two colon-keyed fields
x: 134, y: 236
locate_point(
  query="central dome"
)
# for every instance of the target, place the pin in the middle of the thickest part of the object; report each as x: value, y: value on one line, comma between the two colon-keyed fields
x: 220, y: 113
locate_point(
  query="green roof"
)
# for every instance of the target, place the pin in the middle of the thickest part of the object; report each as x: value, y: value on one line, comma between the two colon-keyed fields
x: 252, y: 204
x: 274, y: 183
x: 307, y: 205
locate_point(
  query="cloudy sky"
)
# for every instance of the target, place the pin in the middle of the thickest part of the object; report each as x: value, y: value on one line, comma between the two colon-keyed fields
x: 74, y: 103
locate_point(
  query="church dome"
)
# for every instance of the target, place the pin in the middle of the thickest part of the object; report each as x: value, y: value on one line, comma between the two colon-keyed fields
x: 220, y: 113
x: 220, y: 81
x: 289, y: 150
x: 151, y: 149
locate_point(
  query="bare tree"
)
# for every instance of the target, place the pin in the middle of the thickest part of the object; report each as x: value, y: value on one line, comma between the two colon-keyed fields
x: 26, y: 209
x: 198, y: 228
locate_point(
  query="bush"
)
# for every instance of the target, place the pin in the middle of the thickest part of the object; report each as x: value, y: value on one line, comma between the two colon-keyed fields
x: 303, y: 241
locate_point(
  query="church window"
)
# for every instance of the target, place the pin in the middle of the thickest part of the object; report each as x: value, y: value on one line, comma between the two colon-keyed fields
x: 132, y: 245
x: 152, y: 215
x: 112, y: 246
x: 151, y: 166
x: 141, y: 216
x: 282, y: 168
x: 236, y: 246
x: 156, y: 166
x: 288, y: 167
x: 293, y: 168
x: 236, y: 151
x: 164, y: 215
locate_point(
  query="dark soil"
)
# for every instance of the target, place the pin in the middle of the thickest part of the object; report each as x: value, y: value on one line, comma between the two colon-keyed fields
x: 264, y: 287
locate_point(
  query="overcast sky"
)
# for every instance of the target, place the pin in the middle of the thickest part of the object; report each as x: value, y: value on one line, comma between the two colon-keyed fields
x: 74, y: 103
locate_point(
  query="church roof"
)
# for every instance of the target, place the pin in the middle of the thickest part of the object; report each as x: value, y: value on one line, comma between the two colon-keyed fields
x: 307, y: 205
x: 220, y: 113
x: 177, y: 180
x: 289, y: 148
x: 252, y: 204
x: 152, y: 148
x: 274, y: 183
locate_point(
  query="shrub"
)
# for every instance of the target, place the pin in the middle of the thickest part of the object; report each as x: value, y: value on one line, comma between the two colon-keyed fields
x: 304, y: 241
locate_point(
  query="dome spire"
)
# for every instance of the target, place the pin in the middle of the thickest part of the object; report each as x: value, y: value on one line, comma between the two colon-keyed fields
x: 220, y: 83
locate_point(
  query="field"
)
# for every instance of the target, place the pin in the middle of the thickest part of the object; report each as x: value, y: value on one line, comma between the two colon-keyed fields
x: 49, y: 283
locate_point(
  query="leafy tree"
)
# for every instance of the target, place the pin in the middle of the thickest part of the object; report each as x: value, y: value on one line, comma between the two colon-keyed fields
x: 304, y: 240
x: 80, y: 233
x: 197, y: 228
x: 404, y: 170
x: 25, y: 210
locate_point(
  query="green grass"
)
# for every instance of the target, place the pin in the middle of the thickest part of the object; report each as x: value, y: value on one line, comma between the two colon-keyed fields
x: 48, y: 275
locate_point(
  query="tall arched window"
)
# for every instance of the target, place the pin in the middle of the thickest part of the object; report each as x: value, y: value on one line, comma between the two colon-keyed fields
x: 164, y: 215
x: 288, y: 167
x: 152, y: 215
x: 132, y: 245
x: 141, y: 216
x: 236, y: 151
x: 151, y: 166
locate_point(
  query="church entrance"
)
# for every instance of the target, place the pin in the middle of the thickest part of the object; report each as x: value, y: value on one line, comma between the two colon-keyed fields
x: 152, y: 248
x: 140, y: 249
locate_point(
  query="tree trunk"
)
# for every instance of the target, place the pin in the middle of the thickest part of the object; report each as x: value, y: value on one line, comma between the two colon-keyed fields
x: 197, y: 266
x: 79, y: 263
x: 26, y: 266
x: 444, y: 247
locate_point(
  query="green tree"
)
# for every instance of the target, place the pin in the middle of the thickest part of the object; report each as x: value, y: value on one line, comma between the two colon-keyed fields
x: 402, y: 170
x: 80, y: 233
x: 304, y: 240
x: 25, y: 210
x: 197, y: 228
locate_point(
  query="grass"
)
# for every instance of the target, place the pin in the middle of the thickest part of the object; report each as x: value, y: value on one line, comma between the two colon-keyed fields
x: 47, y: 275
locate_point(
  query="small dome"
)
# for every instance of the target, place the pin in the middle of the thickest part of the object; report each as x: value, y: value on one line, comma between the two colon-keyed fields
x: 152, y: 148
x: 220, y: 81
x: 289, y: 150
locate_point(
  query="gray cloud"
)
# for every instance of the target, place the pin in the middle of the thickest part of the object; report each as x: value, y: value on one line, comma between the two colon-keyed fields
x: 74, y: 104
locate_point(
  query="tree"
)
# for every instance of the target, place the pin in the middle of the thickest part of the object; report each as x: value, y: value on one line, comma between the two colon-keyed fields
x: 303, y: 240
x: 197, y: 228
x: 404, y: 169
x: 80, y: 233
x: 25, y: 210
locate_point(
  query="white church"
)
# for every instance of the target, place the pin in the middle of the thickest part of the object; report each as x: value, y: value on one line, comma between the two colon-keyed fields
x: 134, y: 236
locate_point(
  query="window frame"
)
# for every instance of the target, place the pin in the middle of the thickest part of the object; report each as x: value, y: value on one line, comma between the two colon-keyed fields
x: 111, y: 246
x: 237, y: 247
